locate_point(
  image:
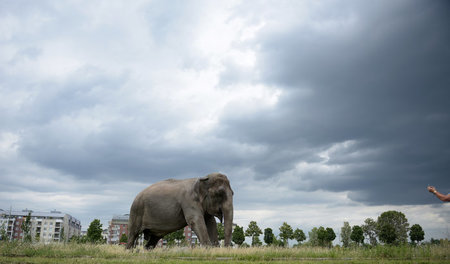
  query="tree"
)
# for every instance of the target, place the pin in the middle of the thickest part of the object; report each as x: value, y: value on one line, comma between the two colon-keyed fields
x: 346, y: 231
x: 387, y: 234
x: 253, y: 231
x: 286, y: 233
x: 313, y: 237
x: 3, y: 232
x: 416, y: 233
x: 325, y: 236
x: 268, y: 236
x: 330, y: 236
x: 94, y: 232
x: 397, y: 222
x: 123, y: 239
x: 357, y: 234
x: 321, y: 236
x: 238, y: 236
x: 370, y: 231
x: 256, y: 242
x: 26, y: 228
x: 277, y: 242
x: 435, y: 241
x: 175, y: 237
x: 220, y: 231
x: 299, y: 235
x: 62, y: 236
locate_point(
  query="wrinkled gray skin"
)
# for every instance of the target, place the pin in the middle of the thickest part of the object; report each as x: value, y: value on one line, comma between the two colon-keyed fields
x: 170, y: 205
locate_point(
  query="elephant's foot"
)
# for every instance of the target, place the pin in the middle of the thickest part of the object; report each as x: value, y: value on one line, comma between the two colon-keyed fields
x: 152, y: 242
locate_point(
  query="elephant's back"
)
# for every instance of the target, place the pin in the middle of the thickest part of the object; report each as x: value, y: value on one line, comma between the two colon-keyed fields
x: 169, y: 184
x: 167, y: 189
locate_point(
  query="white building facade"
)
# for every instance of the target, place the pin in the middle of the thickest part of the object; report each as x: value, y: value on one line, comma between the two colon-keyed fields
x: 46, y: 227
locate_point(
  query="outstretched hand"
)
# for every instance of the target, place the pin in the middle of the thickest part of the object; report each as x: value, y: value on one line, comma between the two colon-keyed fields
x: 442, y: 197
x: 431, y: 189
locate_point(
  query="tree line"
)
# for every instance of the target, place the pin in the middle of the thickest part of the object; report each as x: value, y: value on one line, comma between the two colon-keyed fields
x: 317, y: 237
x: 391, y: 228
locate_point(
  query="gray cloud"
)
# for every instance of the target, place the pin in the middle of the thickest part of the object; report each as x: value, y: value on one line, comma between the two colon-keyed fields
x: 378, y: 75
x: 336, y: 104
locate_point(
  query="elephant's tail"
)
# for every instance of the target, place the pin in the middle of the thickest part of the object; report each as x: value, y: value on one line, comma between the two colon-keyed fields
x: 134, y: 226
x: 131, y: 234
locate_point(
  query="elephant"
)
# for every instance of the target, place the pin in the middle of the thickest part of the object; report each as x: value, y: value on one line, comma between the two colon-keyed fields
x: 170, y: 205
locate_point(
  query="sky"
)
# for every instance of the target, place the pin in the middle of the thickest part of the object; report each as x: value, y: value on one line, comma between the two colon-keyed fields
x: 319, y: 112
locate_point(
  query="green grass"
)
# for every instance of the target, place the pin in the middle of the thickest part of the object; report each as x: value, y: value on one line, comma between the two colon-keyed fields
x: 16, y: 252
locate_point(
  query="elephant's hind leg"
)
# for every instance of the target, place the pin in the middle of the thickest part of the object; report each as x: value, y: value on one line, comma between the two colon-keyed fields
x: 151, y: 243
x: 132, y: 239
x: 134, y: 230
x: 133, y: 235
x: 147, y: 234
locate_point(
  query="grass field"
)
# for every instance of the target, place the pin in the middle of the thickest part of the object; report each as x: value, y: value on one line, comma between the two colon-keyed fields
x: 85, y: 253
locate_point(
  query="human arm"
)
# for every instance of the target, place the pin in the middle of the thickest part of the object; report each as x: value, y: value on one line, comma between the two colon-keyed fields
x: 440, y: 196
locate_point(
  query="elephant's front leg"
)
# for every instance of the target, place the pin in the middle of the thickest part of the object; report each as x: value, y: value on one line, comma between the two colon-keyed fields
x: 211, y: 225
x: 197, y: 223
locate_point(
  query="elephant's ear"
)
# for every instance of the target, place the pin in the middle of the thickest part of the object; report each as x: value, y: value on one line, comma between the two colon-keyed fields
x: 201, y: 188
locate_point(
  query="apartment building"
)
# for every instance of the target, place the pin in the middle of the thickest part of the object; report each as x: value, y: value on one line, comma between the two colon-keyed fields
x: 190, y: 236
x: 46, y: 227
x: 117, y: 227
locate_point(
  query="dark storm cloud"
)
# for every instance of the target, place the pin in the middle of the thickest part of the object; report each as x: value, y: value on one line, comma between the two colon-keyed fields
x: 379, y: 75
x: 107, y: 158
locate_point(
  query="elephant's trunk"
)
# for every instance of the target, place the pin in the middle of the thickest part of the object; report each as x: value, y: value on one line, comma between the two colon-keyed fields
x: 228, y: 219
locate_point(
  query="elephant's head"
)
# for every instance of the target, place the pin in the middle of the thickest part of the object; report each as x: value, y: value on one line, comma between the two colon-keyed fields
x: 217, y: 197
